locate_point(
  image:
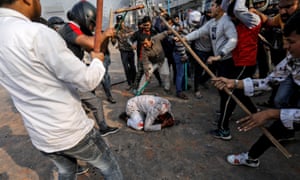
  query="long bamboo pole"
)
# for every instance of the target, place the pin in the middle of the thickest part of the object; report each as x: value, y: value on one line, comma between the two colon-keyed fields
x: 133, y: 8
x: 98, y: 29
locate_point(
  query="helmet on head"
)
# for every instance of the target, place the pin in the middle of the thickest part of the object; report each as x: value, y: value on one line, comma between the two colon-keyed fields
x: 119, y: 18
x: 263, y: 6
x: 55, y: 22
x: 194, y: 18
x: 84, y: 13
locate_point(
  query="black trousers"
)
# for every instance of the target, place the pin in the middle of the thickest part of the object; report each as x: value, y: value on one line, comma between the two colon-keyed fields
x: 227, y: 104
x: 263, y: 143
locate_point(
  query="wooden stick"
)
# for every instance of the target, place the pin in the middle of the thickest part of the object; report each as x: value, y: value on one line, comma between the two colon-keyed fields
x: 111, y: 18
x: 265, y: 131
x: 98, y: 29
x: 133, y: 8
x: 263, y: 39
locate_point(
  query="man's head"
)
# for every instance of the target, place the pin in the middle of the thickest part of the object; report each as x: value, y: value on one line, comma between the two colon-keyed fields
x: 83, y: 13
x: 287, y: 8
x: 194, y: 19
x: 216, y: 10
x: 259, y: 4
x: 120, y: 22
x: 169, y: 20
x: 146, y: 41
x: 230, y: 12
x: 147, y: 23
x: 29, y: 8
x: 55, y: 22
x: 176, y: 19
x: 119, y: 18
x: 166, y: 119
x: 291, y: 32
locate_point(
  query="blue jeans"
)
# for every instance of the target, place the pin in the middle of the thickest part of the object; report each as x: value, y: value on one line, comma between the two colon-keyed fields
x: 106, y: 78
x: 179, y: 72
x: 284, y: 93
x: 91, y: 149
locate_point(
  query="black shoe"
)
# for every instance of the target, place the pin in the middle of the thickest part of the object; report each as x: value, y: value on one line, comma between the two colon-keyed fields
x: 108, y: 131
x: 111, y: 100
x: 221, y: 134
x: 81, y: 170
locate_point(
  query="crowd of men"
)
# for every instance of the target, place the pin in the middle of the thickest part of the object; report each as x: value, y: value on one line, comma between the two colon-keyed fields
x: 227, y: 37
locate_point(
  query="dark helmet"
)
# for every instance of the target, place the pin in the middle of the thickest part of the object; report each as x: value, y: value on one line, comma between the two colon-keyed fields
x: 264, y: 5
x: 55, y: 21
x: 119, y: 18
x: 84, y: 13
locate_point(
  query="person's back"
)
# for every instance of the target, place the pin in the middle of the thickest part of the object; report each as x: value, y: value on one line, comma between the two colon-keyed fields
x: 28, y: 68
x: 248, y: 25
x: 35, y: 69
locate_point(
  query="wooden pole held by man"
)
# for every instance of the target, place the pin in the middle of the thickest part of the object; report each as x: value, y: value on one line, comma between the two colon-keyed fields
x: 98, y: 29
x: 133, y: 8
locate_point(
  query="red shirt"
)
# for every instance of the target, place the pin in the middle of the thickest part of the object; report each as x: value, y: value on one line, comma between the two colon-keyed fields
x: 245, y: 51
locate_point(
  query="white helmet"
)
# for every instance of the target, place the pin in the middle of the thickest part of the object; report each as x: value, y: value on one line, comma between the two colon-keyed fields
x: 194, y: 18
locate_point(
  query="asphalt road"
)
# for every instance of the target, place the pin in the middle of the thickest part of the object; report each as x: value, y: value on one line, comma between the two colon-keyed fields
x: 183, y: 152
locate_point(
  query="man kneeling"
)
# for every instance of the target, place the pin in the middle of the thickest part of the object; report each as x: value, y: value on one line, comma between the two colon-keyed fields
x: 151, y: 113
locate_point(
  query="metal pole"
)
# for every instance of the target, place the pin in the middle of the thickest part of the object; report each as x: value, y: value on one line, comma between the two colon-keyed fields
x: 169, y: 7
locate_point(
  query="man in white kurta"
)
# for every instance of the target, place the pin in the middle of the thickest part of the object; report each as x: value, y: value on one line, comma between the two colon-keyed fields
x: 144, y: 110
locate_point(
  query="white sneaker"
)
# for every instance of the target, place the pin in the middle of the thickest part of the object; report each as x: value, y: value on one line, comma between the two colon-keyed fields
x: 242, y: 159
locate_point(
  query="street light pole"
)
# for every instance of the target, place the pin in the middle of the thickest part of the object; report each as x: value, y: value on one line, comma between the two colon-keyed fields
x: 169, y: 7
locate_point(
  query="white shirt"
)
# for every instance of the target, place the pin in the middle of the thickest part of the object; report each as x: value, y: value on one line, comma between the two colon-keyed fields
x: 222, y: 34
x: 288, y: 66
x: 151, y: 107
x: 41, y: 75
